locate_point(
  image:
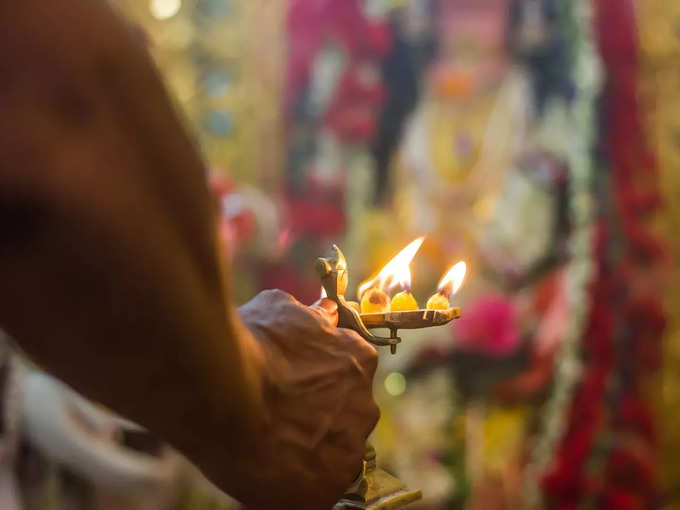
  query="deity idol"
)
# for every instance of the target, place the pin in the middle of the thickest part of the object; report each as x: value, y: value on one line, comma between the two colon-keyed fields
x: 479, y: 172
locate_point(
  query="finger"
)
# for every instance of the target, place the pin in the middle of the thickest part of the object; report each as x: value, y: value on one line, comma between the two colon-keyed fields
x: 277, y: 295
x: 328, y: 308
x: 364, y: 352
x: 357, y: 420
x: 343, y: 457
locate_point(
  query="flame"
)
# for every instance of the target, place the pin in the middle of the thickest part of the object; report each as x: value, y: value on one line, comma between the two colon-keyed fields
x: 453, y: 280
x: 396, y: 272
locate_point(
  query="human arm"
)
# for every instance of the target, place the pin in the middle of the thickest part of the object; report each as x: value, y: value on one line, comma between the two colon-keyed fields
x: 109, y: 266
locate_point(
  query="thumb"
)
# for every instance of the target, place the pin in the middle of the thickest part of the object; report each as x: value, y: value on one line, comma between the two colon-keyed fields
x: 328, y: 308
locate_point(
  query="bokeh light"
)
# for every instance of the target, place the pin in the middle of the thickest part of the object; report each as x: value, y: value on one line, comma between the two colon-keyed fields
x: 164, y: 9
x: 395, y: 384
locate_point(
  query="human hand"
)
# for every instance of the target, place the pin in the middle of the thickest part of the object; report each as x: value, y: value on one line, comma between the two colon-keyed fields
x: 317, y: 390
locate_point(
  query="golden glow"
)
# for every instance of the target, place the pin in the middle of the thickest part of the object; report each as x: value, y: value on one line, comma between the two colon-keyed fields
x: 404, y: 302
x: 396, y: 272
x: 164, y: 9
x: 453, y: 280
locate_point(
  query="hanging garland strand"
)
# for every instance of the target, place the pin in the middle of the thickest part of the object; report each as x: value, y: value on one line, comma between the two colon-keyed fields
x: 575, y: 130
x: 606, y: 458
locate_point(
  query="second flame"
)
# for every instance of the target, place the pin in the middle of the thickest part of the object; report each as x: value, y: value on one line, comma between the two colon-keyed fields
x: 397, y: 272
x: 453, y: 280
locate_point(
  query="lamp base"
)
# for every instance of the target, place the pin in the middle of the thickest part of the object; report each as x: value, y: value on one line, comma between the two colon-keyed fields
x: 376, y: 489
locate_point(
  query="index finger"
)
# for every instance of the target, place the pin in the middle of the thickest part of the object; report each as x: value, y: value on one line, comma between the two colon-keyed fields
x: 328, y: 308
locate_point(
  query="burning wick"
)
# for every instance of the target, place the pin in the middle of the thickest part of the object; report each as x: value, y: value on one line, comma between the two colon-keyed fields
x: 375, y: 300
x: 395, y: 273
x: 448, y: 286
x: 438, y: 301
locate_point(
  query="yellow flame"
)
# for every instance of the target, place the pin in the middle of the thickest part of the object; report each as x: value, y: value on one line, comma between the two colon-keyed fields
x: 396, y: 272
x: 453, y: 280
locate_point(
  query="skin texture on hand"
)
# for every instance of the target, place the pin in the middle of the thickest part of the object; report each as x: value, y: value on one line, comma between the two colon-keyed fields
x: 317, y: 390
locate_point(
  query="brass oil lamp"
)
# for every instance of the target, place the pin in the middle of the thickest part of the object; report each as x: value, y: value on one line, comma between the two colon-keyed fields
x: 376, y: 489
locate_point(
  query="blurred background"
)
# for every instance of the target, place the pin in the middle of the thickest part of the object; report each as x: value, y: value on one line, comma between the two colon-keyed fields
x: 537, y: 140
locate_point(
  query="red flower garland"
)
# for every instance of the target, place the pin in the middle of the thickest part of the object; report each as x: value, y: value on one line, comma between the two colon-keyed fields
x: 622, y: 342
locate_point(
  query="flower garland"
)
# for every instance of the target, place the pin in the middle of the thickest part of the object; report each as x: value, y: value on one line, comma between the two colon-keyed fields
x: 576, y: 129
x: 606, y: 456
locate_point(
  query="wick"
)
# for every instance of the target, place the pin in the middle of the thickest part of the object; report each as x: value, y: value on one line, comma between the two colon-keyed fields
x: 375, y: 284
x: 378, y: 298
x: 445, y: 291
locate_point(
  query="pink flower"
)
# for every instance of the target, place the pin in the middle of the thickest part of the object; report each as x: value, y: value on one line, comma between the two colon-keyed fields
x: 489, y: 325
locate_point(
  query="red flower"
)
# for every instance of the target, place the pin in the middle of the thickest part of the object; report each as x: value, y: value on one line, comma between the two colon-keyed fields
x: 632, y: 469
x: 489, y: 325
x: 620, y: 499
x: 379, y: 37
x: 640, y: 202
x: 315, y: 217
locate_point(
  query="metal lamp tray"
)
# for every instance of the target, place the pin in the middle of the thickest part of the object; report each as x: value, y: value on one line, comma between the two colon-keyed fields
x: 415, y: 319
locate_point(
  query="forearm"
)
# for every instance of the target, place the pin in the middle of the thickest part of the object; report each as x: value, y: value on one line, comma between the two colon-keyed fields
x: 107, y: 251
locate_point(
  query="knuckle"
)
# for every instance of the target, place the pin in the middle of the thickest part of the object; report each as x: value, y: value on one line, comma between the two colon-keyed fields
x: 369, y: 357
x: 281, y: 304
x: 318, y: 314
x: 354, y: 339
x: 277, y: 295
x: 371, y: 354
x: 365, y: 353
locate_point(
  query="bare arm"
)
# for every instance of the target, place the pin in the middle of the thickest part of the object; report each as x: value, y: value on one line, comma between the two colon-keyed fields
x: 109, y: 271
x: 107, y: 254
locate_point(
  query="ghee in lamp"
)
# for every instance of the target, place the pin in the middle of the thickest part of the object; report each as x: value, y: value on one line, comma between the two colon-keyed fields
x: 375, y: 300
x: 448, y: 286
x: 404, y: 302
x: 438, y: 301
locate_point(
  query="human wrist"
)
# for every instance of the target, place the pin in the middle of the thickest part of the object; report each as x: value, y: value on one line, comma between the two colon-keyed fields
x: 224, y: 407
x: 228, y: 448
